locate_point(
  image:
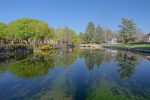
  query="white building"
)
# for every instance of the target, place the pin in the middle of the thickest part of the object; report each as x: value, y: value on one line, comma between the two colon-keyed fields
x: 112, y: 40
x: 147, y: 38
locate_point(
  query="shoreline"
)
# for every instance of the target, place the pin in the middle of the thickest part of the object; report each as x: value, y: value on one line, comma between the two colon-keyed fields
x: 126, y: 48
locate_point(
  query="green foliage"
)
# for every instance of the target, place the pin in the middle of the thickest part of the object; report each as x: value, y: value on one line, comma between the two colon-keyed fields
x: 69, y: 56
x: 26, y: 28
x: 31, y: 68
x: 33, y: 31
x: 58, y: 35
x: 66, y: 35
x: 111, y: 90
x: 3, y: 32
x: 100, y: 36
x: 93, y: 57
x: 90, y: 33
x: 82, y: 37
x: 97, y: 34
x: 127, y: 63
x: 128, y: 31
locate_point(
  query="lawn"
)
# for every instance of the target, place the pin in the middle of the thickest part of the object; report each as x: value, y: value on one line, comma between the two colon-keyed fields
x: 137, y: 46
x: 131, y: 46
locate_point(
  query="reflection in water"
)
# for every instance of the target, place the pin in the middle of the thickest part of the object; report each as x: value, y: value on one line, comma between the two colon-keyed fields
x: 127, y: 63
x: 61, y: 90
x: 95, y: 57
x: 148, y: 58
x: 31, y: 68
x: 75, y: 74
x: 109, y: 90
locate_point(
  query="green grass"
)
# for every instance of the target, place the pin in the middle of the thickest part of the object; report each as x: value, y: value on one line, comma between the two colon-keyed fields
x: 136, y: 46
x: 133, y: 46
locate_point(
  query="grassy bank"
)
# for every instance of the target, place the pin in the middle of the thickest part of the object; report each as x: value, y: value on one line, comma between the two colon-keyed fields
x: 131, y: 47
x: 136, y: 46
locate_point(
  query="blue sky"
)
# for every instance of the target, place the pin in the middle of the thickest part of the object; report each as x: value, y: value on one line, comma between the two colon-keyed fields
x: 77, y: 13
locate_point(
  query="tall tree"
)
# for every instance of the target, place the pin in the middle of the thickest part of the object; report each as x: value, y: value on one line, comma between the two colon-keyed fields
x: 68, y: 35
x: 58, y: 35
x: 25, y: 28
x: 128, y: 31
x: 82, y: 37
x: 100, y: 36
x: 109, y: 34
x: 3, y: 32
x: 90, y: 33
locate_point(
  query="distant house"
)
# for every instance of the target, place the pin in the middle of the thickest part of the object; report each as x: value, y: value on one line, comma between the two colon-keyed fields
x: 147, y: 38
x: 112, y: 40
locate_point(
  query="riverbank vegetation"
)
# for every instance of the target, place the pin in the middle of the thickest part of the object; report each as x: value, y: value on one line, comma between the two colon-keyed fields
x: 132, y: 47
x: 96, y: 34
x: 128, y: 33
x: 23, y: 65
x: 33, y: 31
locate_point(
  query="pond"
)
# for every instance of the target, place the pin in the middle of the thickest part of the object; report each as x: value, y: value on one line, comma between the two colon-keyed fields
x: 75, y: 74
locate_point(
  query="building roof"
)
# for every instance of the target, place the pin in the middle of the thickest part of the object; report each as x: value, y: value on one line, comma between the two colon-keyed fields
x: 147, y: 34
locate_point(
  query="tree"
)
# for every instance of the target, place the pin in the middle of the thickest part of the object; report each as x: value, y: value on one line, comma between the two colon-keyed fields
x: 109, y: 34
x: 32, y: 68
x: 90, y: 33
x: 127, y: 63
x: 58, y: 35
x: 82, y: 37
x: 68, y: 35
x: 3, y: 32
x: 76, y: 39
x: 96, y: 34
x: 25, y: 28
x: 100, y: 36
x: 128, y: 31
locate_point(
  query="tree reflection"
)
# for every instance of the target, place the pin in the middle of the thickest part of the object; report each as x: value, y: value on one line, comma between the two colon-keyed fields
x: 31, y: 68
x: 127, y: 60
x: 95, y: 57
x: 111, y: 90
x: 6, y: 59
x: 62, y: 57
x: 41, y: 62
x: 3, y: 68
x: 89, y: 56
x: 69, y: 56
x: 63, y: 88
x: 127, y: 63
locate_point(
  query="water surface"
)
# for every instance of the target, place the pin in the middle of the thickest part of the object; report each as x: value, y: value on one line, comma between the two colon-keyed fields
x: 75, y: 74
